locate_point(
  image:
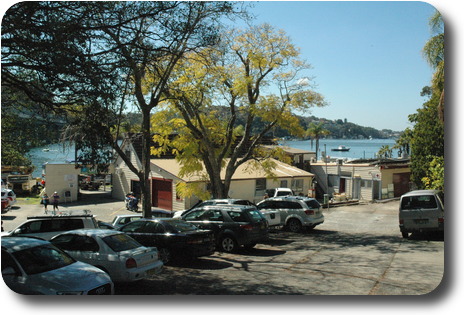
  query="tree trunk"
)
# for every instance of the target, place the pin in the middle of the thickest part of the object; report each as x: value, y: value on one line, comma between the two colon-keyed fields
x: 145, y: 180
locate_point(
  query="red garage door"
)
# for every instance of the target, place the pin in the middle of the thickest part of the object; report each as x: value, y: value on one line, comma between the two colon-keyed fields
x: 162, y: 193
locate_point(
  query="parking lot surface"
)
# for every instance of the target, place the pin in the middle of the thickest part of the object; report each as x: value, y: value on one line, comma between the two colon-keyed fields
x: 358, y: 250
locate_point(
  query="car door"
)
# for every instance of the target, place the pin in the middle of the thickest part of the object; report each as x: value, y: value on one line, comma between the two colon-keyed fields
x: 81, y: 247
x: 207, y: 219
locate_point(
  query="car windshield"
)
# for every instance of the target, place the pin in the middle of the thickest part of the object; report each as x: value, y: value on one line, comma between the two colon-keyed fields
x: 42, y: 258
x: 181, y: 226
x: 121, y: 242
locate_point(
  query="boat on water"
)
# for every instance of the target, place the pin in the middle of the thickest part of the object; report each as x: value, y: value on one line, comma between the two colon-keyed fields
x: 341, y: 148
x: 45, y: 150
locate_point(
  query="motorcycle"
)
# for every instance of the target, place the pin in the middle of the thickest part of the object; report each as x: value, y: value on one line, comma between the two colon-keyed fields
x: 132, y: 203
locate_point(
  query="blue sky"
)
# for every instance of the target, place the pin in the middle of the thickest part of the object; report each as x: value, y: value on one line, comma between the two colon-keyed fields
x: 366, y: 56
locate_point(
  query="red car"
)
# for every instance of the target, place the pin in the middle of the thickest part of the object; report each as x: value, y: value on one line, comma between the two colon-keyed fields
x: 5, y: 205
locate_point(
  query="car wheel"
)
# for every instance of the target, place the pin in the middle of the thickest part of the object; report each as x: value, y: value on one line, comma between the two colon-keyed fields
x: 294, y: 225
x: 164, y: 255
x: 405, y: 234
x: 228, y: 244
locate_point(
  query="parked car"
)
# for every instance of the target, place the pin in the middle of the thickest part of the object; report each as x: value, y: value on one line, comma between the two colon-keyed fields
x: 279, y: 192
x: 213, y: 202
x: 46, y: 227
x: 116, y: 253
x: 123, y: 219
x: 422, y: 211
x: 233, y: 225
x: 8, y: 194
x: 292, y: 212
x: 174, y: 238
x: 33, y: 266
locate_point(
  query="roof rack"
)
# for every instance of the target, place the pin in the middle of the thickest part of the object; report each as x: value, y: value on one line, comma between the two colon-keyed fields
x: 60, y: 216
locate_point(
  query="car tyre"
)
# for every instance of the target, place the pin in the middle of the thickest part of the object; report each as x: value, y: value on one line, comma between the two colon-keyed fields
x: 249, y: 246
x: 294, y: 225
x: 228, y: 244
x: 405, y: 234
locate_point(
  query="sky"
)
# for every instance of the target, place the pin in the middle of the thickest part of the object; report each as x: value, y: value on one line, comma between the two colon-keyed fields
x: 366, y: 56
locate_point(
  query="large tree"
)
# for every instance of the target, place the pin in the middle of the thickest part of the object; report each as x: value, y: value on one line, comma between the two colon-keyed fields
x: 90, y: 59
x: 255, y: 74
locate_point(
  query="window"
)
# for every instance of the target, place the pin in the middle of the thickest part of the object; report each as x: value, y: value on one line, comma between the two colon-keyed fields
x: 297, y: 186
x: 260, y: 187
x: 120, y: 242
x: 365, y: 183
x: 284, y: 183
x: 419, y: 202
x: 237, y: 216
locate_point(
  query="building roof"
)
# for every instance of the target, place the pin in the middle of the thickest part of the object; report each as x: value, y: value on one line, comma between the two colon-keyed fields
x: 245, y: 171
x: 289, y: 150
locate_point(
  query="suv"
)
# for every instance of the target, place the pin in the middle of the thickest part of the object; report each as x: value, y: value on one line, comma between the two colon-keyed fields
x: 292, y: 212
x: 46, y: 227
x: 233, y: 225
x: 421, y: 211
x: 213, y: 202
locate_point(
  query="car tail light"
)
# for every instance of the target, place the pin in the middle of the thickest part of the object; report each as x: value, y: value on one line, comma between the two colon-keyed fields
x: 401, y: 221
x: 131, y: 263
x: 309, y: 212
x: 441, y: 220
x: 247, y: 227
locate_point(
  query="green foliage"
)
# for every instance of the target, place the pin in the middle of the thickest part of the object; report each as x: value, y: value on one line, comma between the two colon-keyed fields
x: 435, y: 178
x: 427, y: 140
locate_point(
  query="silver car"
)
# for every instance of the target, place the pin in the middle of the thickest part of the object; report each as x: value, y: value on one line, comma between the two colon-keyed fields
x: 292, y: 212
x: 122, y: 257
x: 33, y: 266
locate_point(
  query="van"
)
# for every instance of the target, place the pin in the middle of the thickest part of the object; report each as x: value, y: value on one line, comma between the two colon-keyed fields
x: 45, y: 227
x: 421, y: 211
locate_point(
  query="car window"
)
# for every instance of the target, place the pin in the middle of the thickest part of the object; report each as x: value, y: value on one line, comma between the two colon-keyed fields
x: 73, y: 242
x: 42, y: 258
x: 266, y: 205
x: 237, y: 216
x: 8, y: 262
x: 179, y: 226
x: 133, y: 226
x: 214, y: 215
x: 255, y: 215
x: 120, y: 242
x: 419, y: 202
x: 313, y: 204
x: 196, y: 215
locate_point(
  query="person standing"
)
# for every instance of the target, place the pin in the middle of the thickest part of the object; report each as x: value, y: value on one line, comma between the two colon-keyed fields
x: 56, y: 200
x: 45, y: 201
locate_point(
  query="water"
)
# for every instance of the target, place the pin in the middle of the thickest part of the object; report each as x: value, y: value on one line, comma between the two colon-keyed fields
x: 54, y: 153
x: 359, y: 149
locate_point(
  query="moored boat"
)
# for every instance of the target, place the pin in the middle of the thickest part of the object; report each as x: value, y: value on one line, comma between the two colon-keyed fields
x: 341, y: 148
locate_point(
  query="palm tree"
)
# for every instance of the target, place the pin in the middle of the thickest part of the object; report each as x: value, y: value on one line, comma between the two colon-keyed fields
x: 434, y: 54
x: 316, y: 131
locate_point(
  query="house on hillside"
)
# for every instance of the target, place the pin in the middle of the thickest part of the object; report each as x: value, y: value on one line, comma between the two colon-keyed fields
x: 362, y: 179
x: 164, y: 177
x: 300, y: 158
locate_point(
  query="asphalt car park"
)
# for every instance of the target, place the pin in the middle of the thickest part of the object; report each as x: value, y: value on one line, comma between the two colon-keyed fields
x: 358, y: 250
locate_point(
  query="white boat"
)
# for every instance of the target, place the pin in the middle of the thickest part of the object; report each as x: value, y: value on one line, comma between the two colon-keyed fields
x: 341, y: 148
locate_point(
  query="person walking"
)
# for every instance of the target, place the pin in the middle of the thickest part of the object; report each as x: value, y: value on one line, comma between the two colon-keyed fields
x: 56, y: 200
x: 45, y: 201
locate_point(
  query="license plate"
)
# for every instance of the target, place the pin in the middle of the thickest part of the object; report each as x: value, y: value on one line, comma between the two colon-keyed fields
x: 421, y: 221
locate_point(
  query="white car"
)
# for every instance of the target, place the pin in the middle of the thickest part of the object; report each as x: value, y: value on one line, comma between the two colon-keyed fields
x: 33, y: 266
x: 10, y: 196
x: 115, y: 252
